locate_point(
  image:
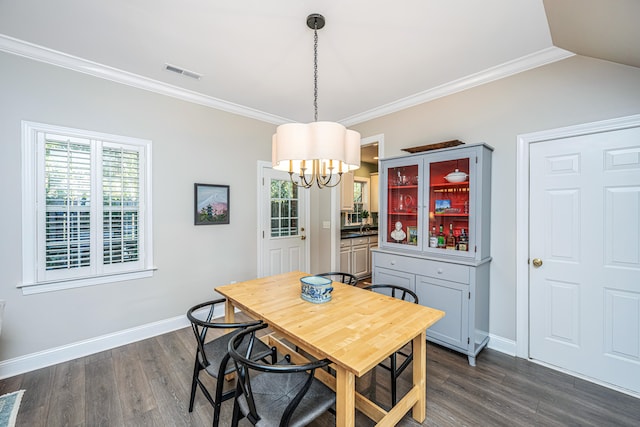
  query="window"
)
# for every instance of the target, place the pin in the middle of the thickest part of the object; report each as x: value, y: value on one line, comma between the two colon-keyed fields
x: 360, y: 200
x: 284, y: 208
x: 86, y: 208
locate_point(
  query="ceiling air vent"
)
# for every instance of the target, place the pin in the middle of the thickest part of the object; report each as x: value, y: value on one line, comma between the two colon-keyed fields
x: 182, y: 71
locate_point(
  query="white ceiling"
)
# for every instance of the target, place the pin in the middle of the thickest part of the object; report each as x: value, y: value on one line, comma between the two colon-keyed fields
x: 256, y: 56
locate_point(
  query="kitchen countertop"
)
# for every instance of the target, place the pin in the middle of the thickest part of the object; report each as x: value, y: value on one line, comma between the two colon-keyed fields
x: 352, y: 234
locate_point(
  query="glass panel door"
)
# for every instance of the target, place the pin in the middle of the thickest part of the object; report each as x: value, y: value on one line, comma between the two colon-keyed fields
x: 449, y: 205
x: 402, y: 205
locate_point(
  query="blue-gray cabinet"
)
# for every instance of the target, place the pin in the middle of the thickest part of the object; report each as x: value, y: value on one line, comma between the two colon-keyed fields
x: 448, y: 191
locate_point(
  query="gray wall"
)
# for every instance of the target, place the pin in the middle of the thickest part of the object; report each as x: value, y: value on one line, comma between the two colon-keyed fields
x: 573, y: 91
x: 191, y: 143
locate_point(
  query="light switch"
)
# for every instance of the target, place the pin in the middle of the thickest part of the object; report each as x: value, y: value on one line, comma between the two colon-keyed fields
x: 326, y: 224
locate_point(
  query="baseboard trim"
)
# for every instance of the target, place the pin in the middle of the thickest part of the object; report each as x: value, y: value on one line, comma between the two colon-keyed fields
x: 502, y: 345
x: 53, y: 356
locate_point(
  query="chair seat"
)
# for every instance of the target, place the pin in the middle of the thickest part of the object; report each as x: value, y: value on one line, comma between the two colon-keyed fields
x: 216, y: 350
x: 273, y: 392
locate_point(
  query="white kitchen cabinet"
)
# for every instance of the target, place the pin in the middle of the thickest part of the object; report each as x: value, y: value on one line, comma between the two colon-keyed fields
x: 360, y: 257
x: 345, y: 255
x: 419, y: 193
x: 346, y: 192
x: 374, y: 193
x: 355, y: 255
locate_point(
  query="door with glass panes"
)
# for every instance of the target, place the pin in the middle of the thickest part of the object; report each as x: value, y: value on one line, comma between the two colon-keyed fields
x: 283, y: 236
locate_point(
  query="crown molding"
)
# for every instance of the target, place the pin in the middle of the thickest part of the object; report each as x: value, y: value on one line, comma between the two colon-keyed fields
x: 537, y: 59
x: 53, y: 57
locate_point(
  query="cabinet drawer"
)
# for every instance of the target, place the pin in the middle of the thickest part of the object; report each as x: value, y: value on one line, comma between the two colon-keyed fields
x: 446, y: 271
x: 345, y: 243
x: 424, y: 267
x: 359, y: 241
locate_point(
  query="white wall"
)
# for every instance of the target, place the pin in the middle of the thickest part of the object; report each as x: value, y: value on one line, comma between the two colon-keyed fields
x: 191, y: 143
x: 572, y: 91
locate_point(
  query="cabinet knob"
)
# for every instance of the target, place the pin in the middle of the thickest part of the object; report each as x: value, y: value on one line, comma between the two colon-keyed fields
x: 393, y: 262
x: 439, y: 271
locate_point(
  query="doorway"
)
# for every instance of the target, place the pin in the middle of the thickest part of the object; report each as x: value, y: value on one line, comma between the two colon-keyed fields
x: 366, y: 153
x: 579, y: 251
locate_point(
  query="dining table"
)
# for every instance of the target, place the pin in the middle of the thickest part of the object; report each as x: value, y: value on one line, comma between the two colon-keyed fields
x: 356, y: 330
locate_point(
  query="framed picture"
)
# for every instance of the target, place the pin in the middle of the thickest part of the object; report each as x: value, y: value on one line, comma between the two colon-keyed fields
x: 412, y: 231
x: 442, y: 205
x: 211, y: 204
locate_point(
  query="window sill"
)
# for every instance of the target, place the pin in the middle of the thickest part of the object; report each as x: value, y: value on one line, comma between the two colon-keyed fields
x: 38, y: 288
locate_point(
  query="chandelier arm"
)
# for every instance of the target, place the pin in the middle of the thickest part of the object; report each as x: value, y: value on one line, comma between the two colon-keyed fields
x: 327, y: 183
x: 302, y: 183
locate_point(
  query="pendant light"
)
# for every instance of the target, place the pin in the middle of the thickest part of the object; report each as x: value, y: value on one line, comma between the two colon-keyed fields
x: 318, y: 152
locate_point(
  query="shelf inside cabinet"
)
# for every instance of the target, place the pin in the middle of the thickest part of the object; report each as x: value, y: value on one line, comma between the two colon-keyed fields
x: 462, y: 215
x: 402, y: 187
x: 451, y: 184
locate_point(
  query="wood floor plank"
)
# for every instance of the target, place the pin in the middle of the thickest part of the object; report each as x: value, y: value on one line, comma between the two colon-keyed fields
x: 102, y: 403
x: 134, y: 392
x: 66, y: 406
x: 38, y: 386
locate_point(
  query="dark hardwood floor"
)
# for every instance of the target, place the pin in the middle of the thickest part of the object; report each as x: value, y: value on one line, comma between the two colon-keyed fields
x: 147, y: 384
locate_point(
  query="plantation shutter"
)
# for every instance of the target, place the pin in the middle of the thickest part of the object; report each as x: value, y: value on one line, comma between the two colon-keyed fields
x: 121, y: 205
x: 67, y: 243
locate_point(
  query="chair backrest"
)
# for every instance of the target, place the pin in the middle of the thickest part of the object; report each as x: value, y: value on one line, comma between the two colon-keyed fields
x: 241, y: 349
x: 338, y: 276
x: 395, y: 291
x: 201, y: 317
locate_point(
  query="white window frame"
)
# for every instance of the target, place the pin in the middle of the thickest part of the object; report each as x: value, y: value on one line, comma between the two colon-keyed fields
x: 366, y: 187
x: 33, y: 217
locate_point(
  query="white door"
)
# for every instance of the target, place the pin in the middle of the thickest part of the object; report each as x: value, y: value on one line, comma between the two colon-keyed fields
x: 283, y: 224
x: 584, y: 216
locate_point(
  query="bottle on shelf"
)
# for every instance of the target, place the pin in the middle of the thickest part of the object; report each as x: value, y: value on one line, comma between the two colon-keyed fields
x: 463, y: 241
x: 433, y: 238
x: 441, y: 239
x: 451, y: 239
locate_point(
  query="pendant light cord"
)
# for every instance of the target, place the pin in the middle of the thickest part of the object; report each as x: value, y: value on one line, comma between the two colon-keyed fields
x: 315, y: 71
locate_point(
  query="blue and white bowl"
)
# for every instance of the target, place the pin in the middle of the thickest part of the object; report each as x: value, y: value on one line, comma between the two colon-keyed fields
x: 315, y: 289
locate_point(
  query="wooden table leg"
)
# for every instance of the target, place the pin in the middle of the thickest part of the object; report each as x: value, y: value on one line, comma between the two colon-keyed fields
x: 229, y: 313
x: 345, y: 398
x: 419, y: 411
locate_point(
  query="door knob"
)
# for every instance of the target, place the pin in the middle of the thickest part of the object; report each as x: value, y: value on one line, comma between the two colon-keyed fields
x: 537, y: 262
x: 303, y: 237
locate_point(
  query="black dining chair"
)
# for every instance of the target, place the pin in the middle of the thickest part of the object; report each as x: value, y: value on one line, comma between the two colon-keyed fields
x: 213, y: 357
x: 395, y: 370
x: 338, y: 276
x: 281, y: 394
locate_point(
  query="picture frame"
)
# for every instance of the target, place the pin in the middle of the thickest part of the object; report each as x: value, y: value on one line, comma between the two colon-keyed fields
x: 442, y: 205
x: 211, y: 204
x: 412, y: 235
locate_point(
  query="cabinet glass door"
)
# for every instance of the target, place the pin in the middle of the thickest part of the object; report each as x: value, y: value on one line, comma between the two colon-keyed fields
x: 449, y: 201
x: 402, y: 225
